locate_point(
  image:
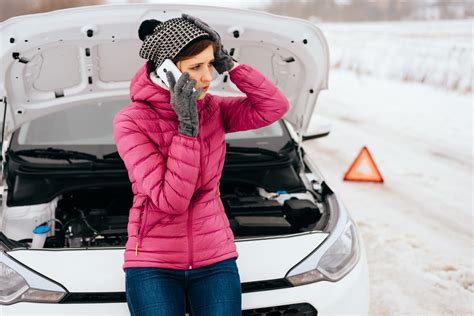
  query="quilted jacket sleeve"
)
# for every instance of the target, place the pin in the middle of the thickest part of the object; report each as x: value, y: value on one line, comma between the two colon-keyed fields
x: 263, y: 104
x: 170, y: 183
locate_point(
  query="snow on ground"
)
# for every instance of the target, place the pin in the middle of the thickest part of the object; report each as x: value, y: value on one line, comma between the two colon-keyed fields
x: 434, y: 52
x: 418, y: 225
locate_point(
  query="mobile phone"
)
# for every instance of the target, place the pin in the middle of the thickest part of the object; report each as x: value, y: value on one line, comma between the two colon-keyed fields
x: 166, y: 66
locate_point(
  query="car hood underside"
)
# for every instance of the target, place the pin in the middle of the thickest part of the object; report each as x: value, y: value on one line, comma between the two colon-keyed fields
x: 54, y: 60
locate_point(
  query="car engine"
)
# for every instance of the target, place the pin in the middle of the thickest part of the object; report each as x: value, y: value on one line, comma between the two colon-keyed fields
x: 99, y: 218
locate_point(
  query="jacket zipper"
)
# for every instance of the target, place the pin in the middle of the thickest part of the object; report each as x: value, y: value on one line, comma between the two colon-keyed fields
x: 190, y: 240
x: 141, y: 228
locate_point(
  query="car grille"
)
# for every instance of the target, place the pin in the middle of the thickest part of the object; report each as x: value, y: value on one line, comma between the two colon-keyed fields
x: 293, y: 309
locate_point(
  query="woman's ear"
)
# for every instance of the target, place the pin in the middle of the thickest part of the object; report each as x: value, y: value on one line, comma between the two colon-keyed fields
x: 178, y: 64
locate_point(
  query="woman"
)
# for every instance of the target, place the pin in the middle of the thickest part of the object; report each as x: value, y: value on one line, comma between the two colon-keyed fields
x: 180, y: 246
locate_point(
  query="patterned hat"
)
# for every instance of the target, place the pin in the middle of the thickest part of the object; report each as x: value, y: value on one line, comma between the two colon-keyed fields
x: 167, y: 38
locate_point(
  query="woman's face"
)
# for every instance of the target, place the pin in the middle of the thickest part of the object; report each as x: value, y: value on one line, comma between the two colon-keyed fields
x: 200, y: 69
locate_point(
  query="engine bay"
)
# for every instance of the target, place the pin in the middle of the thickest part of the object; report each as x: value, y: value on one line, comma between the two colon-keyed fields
x: 98, y: 217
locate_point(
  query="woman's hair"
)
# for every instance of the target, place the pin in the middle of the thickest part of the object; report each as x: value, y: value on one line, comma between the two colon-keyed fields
x: 192, y: 49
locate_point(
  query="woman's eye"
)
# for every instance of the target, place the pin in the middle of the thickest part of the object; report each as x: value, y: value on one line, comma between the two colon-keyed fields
x: 197, y: 67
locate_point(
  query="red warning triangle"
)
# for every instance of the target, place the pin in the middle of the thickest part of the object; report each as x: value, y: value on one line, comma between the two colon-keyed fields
x: 363, y: 168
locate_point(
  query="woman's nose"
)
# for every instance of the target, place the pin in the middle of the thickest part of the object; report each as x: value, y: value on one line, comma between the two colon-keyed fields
x: 207, y: 75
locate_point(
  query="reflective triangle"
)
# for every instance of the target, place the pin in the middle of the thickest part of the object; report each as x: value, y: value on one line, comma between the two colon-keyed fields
x: 363, y: 168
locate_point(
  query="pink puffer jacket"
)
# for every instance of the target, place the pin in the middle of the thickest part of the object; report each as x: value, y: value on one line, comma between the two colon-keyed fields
x: 177, y: 219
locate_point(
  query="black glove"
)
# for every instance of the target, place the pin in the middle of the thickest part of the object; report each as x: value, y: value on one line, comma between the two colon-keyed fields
x: 222, y: 60
x: 183, y: 100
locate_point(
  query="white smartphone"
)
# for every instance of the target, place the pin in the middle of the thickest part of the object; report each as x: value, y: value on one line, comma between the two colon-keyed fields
x: 166, y: 66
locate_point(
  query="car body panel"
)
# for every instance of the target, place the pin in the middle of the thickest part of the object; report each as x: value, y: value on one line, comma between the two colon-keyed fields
x: 259, y: 259
x: 111, y: 309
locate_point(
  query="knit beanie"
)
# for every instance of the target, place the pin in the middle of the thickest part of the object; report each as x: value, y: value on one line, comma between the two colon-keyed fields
x: 162, y: 40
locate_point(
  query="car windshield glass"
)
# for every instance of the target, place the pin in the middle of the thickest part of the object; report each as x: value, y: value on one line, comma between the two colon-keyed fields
x: 92, y: 125
x: 89, y: 124
x: 272, y: 130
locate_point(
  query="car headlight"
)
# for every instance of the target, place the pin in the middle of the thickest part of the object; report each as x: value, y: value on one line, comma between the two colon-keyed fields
x: 342, y: 255
x: 15, y: 288
x: 12, y: 284
x: 336, y: 262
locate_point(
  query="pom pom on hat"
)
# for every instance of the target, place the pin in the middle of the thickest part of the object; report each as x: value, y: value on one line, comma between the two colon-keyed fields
x: 147, y: 27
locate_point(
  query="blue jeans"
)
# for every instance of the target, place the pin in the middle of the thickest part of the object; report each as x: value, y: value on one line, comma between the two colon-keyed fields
x: 213, y: 290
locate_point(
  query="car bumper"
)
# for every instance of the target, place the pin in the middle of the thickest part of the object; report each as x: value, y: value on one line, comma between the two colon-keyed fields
x: 350, y: 295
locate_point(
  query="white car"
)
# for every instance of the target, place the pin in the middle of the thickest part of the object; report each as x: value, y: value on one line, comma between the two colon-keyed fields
x: 64, y: 75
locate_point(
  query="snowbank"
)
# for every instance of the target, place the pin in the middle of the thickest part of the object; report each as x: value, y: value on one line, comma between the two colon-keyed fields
x: 433, y: 52
x: 418, y: 225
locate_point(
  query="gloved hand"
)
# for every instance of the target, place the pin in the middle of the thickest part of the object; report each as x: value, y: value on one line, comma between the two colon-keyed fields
x: 184, y: 100
x: 222, y: 60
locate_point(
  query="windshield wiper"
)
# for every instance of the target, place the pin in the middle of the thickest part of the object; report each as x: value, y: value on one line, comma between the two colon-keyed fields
x: 114, y: 155
x: 56, y: 153
x: 235, y: 152
x: 252, y: 151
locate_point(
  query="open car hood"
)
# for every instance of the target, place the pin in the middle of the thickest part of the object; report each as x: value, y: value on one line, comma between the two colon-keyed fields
x: 54, y: 60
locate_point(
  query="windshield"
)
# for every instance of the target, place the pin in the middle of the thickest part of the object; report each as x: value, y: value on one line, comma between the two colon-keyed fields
x: 81, y: 125
x: 89, y: 128
x: 92, y: 125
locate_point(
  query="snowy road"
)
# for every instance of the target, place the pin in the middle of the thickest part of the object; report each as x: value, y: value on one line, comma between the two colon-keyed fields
x: 418, y: 225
